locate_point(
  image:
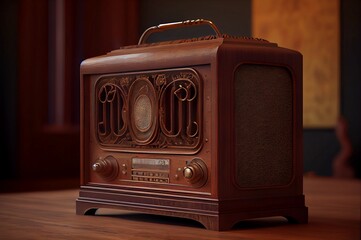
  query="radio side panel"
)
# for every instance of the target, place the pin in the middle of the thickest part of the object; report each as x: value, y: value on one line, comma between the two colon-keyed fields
x: 260, y: 121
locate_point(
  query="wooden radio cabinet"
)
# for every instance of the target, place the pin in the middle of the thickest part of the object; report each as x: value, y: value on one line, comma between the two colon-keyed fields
x: 207, y: 128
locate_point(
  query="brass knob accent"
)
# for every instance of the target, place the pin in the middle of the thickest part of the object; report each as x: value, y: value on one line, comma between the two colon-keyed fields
x: 196, y: 172
x: 106, y: 168
x: 99, y: 166
x: 188, y: 172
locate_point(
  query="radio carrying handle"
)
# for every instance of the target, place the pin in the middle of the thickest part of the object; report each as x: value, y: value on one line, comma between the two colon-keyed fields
x: 168, y: 26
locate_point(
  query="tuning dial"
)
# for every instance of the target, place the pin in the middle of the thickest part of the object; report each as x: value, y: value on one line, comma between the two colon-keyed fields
x: 106, y: 168
x: 196, y: 172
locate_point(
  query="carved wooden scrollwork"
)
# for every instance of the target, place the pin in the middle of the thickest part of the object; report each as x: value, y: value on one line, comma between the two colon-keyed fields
x: 156, y: 111
x: 111, y: 108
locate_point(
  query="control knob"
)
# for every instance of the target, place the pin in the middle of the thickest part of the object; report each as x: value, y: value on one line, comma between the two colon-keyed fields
x: 107, y: 168
x: 196, y: 172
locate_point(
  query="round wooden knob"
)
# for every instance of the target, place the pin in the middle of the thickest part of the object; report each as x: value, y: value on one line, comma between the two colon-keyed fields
x: 107, y: 168
x: 196, y: 172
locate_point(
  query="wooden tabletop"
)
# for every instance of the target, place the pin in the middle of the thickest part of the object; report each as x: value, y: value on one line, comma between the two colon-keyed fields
x: 334, y: 213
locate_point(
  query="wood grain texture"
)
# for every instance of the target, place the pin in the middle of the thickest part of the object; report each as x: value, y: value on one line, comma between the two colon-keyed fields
x: 334, y: 213
x: 311, y: 27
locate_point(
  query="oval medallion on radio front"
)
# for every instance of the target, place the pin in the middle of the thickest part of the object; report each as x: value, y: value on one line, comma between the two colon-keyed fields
x: 143, y: 111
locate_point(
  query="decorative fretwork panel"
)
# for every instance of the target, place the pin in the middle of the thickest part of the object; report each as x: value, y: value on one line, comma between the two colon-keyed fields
x: 153, y: 111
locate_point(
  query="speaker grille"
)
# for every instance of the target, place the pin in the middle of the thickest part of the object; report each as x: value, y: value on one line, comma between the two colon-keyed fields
x: 263, y: 126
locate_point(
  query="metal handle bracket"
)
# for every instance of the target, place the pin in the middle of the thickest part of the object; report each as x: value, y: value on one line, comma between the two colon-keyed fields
x: 168, y: 26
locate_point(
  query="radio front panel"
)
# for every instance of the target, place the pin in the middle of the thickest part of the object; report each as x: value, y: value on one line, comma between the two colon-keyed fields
x: 147, y: 127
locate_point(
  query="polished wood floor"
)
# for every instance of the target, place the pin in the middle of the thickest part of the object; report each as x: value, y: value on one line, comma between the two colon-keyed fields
x: 334, y: 213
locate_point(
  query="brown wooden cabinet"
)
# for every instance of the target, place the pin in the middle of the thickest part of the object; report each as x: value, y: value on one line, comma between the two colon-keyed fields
x: 208, y: 129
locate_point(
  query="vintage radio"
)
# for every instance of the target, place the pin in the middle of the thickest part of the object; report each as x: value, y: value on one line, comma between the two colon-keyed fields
x: 208, y: 128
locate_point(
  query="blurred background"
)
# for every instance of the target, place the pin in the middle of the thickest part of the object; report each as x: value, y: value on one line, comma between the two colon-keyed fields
x: 43, y: 42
